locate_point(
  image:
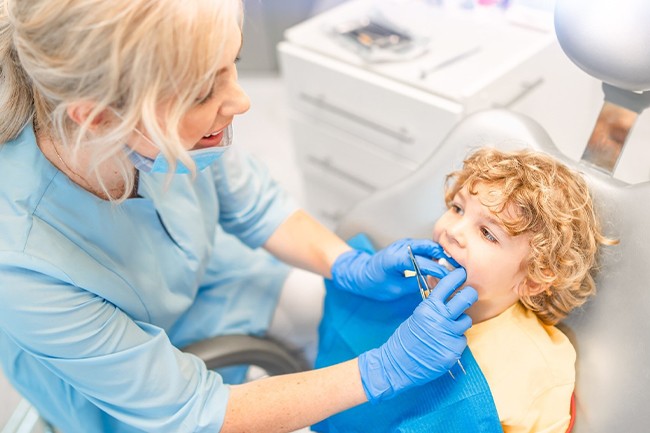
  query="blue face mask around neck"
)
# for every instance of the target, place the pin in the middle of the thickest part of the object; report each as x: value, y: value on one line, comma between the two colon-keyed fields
x: 202, y: 158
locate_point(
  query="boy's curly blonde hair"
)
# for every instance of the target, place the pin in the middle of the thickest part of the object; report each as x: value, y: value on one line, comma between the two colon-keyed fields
x: 553, y: 204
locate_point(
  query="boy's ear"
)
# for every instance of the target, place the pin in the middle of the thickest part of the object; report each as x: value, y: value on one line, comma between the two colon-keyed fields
x: 80, y: 111
x: 533, y: 288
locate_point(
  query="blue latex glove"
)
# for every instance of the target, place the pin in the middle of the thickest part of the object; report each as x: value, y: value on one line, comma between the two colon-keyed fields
x: 381, y: 275
x: 424, y: 346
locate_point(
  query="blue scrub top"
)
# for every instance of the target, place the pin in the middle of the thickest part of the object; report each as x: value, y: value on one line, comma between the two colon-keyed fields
x: 96, y: 297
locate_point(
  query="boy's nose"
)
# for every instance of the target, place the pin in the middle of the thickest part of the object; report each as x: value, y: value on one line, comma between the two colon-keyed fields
x: 456, y: 233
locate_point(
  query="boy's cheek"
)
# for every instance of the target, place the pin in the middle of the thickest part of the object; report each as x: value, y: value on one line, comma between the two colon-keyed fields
x: 436, y: 231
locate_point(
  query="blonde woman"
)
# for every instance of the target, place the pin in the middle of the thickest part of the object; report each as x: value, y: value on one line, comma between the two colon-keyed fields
x: 131, y: 226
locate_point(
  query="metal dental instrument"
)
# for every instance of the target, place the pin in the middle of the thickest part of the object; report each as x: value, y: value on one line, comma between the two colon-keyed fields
x: 425, y: 291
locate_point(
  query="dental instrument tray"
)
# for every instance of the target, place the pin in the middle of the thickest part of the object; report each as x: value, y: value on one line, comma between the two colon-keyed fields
x: 376, y: 39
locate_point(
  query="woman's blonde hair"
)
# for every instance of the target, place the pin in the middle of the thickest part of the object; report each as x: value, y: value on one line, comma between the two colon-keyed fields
x: 129, y: 56
x: 553, y: 204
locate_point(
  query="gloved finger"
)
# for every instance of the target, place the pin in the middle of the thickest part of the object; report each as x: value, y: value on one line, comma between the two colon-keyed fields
x: 461, y: 301
x: 426, y: 248
x: 401, y: 261
x: 448, y: 284
x: 429, y: 267
x: 437, y: 252
x: 462, y: 324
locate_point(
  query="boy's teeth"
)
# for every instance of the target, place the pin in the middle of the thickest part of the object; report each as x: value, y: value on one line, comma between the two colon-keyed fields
x: 211, y: 135
x: 446, y: 264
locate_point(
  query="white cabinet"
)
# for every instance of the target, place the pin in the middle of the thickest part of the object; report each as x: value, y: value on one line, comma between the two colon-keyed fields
x: 359, y: 126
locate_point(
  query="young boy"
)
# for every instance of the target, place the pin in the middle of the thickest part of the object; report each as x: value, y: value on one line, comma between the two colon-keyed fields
x: 524, y: 228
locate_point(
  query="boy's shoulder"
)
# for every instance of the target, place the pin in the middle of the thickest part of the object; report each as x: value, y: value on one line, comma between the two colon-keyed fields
x: 522, y: 359
x: 518, y: 335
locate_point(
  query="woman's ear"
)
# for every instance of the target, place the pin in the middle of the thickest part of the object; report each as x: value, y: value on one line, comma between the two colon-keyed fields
x: 80, y: 111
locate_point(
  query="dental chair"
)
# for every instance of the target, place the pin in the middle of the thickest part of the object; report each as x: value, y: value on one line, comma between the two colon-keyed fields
x: 270, y: 356
x: 611, y: 332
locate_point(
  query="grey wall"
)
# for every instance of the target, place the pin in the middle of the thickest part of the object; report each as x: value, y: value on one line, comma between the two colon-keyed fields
x: 264, y: 25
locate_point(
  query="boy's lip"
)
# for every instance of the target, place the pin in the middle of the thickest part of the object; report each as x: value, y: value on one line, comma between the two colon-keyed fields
x: 449, y: 257
x: 451, y: 260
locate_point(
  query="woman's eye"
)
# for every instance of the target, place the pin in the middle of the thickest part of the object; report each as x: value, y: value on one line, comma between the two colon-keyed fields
x: 487, y: 235
x: 206, y: 98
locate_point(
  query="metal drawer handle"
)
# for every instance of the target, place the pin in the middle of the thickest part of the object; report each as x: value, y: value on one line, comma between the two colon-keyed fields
x: 526, y: 88
x: 319, y: 101
x: 327, y: 165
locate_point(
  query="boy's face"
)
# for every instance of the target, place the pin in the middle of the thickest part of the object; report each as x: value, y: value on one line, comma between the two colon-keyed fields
x: 494, y: 260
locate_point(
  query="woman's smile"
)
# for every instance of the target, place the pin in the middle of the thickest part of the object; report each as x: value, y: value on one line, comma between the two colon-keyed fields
x: 210, y: 140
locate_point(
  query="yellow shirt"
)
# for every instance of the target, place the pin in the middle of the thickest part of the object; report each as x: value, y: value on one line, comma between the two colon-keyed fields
x: 530, y: 368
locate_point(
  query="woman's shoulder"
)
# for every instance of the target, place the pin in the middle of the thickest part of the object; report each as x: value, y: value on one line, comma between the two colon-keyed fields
x: 26, y: 176
x: 26, y: 173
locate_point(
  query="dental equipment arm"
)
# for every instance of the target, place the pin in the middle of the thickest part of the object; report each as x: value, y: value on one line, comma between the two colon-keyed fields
x: 610, y: 41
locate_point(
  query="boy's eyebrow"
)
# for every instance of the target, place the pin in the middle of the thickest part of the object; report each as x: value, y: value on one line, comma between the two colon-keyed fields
x: 491, y: 219
x: 488, y: 216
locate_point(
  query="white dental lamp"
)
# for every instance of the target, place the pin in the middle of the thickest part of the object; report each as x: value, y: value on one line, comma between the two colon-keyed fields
x: 610, y: 40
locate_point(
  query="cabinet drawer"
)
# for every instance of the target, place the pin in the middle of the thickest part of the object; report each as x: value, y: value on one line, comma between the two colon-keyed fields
x: 329, y: 196
x: 398, y: 118
x: 516, y: 82
x: 346, y: 156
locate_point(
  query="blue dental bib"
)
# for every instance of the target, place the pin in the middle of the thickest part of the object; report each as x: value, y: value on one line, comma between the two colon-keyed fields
x: 351, y: 325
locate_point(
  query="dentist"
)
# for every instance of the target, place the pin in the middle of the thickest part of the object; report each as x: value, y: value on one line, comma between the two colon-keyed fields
x: 131, y: 226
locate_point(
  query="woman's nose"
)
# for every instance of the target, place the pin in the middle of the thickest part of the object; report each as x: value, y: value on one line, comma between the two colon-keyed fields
x: 237, y: 102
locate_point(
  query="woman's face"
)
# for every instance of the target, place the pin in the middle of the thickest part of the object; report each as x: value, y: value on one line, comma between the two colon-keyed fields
x: 494, y: 260
x: 204, y: 124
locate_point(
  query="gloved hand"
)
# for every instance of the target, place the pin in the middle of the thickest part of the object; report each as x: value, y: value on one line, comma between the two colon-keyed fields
x: 381, y: 275
x: 423, y: 347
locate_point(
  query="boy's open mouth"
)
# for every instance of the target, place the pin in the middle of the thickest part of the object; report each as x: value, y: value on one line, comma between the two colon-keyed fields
x: 444, y: 262
x: 448, y: 261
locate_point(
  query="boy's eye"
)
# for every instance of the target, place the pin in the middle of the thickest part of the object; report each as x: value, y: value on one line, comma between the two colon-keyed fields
x: 456, y: 209
x: 487, y: 235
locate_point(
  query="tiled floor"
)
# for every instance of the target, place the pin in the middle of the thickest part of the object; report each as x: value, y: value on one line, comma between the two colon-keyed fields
x: 264, y: 131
